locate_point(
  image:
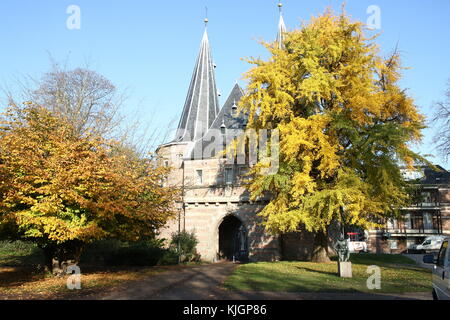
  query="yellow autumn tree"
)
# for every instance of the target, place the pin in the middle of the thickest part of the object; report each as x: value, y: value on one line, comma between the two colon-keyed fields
x: 345, y: 129
x: 63, y: 189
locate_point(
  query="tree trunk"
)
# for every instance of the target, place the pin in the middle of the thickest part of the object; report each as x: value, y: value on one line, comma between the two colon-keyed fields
x: 320, y: 250
x: 59, y: 257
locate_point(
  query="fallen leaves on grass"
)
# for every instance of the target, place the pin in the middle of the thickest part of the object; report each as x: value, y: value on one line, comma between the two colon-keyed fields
x: 21, y: 284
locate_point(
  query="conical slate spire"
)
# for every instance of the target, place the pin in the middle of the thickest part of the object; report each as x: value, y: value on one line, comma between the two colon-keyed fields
x: 202, y: 104
x: 281, y: 29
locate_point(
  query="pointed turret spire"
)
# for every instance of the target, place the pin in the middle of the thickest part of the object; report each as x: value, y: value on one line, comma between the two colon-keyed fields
x: 281, y: 28
x: 202, y: 104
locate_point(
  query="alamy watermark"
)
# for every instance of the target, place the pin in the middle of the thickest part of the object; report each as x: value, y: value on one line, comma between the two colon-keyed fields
x: 74, y: 280
x: 73, y: 22
x: 374, y: 280
x: 374, y: 19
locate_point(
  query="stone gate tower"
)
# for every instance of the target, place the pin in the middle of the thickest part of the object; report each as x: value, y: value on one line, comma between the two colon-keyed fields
x: 215, y: 205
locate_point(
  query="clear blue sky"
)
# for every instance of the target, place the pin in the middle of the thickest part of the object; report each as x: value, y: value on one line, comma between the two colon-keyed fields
x: 149, y: 47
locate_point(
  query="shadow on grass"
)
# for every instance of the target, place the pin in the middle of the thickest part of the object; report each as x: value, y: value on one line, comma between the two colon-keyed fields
x: 303, y: 279
x: 329, y: 273
x: 34, y: 260
x: 379, y: 259
x: 16, y: 276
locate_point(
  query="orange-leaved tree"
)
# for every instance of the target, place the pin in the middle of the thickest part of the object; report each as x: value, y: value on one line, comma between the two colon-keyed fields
x: 62, y: 189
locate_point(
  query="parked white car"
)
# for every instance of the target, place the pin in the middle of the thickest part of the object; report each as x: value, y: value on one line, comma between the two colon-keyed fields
x: 441, y: 271
x: 432, y: 243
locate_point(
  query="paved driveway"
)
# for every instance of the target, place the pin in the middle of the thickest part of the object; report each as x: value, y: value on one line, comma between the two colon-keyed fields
x: 192, y: 283
x: 418, y: 258
x: 204, y: 283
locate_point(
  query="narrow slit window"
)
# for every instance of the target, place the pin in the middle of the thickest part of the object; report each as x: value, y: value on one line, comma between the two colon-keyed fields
x: 229, y: 176
x: 199, y: 177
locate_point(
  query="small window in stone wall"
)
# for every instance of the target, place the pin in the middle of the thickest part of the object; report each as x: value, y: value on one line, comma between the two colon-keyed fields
x: 229, y: 178
x: 393, y: 244
x: 199, y: 177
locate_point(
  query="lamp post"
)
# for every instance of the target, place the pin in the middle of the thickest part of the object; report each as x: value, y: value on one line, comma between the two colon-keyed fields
x: 183, y: 208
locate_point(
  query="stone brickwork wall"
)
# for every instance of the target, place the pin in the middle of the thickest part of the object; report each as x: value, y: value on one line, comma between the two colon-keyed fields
x: 205, y: 218
x: 446, y: 224
x: 297, y: 245
x: 377, y: 244
x: 444, y: 195
x: 208, y: 203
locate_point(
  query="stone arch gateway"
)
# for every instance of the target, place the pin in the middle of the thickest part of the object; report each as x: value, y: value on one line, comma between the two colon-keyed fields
x: 233, y: 240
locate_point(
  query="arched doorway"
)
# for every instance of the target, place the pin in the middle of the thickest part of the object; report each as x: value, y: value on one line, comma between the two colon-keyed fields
x: 233, y: 244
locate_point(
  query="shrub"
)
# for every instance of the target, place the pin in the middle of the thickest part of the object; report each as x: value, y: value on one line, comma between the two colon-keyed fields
x: 170, y: 257
x: 118, y: 253
x: 135, y: 256
x: 185, y: 244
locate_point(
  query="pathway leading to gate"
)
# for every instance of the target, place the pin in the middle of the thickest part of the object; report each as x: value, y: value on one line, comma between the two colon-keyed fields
x: 190, y: 283
x: 204, y: 283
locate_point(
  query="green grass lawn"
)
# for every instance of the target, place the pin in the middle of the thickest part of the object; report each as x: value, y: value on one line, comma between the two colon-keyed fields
x: 398, y: 274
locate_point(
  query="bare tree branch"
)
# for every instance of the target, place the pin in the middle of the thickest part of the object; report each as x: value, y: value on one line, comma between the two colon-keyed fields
x: 442, y: 121
x: 92, y: 103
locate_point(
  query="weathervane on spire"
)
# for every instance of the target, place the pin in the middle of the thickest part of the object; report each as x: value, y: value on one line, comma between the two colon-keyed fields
x: 280, y: 6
